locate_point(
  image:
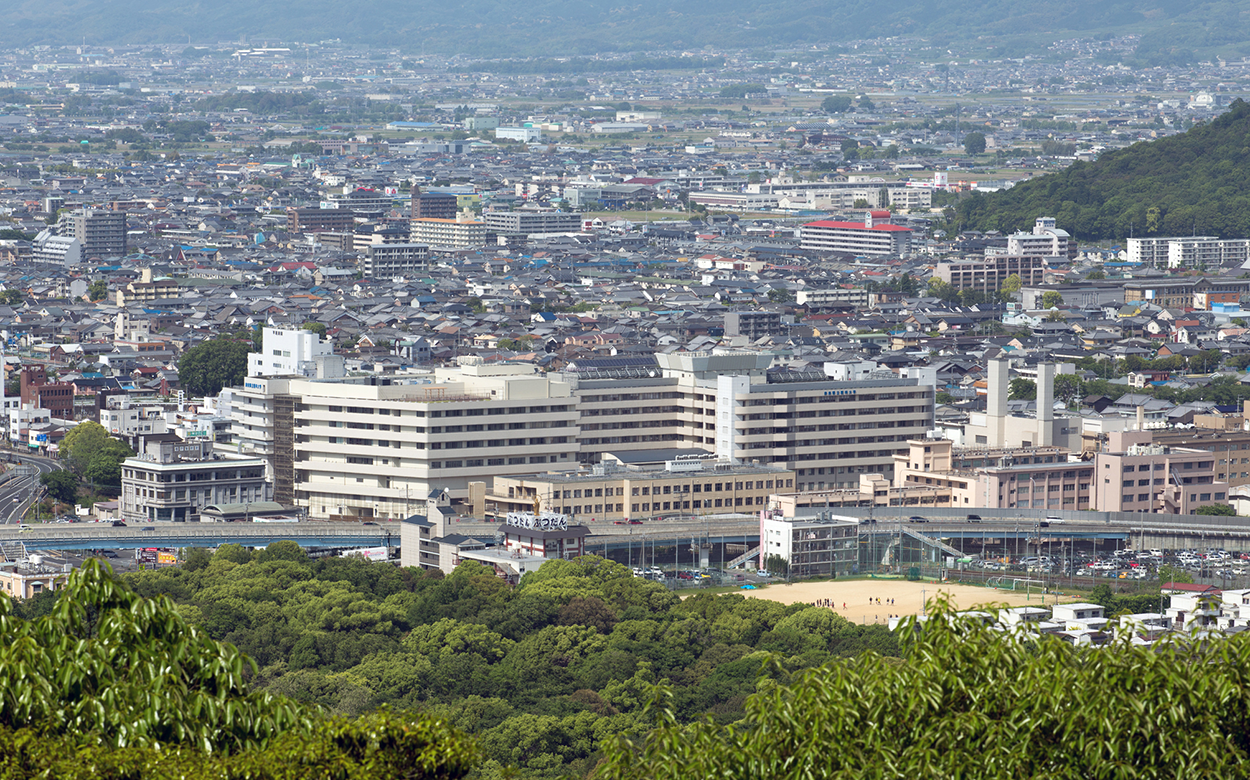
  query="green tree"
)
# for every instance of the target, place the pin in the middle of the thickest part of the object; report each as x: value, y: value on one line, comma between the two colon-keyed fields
x: 967, y: 702
x: 208, y: 367
x: 316, y: 327
x: 1067, y: 387
x: 1218, y: 510
x: 866, y: 104
x: 1096, y: 275
x: 1051, y: 299
x: 61, y: 485
x: 943, y: 397
x: 974, y: 143
x: 1012, y: 285
x: 1022, y: 389
x: 11, y: 297
x: 98, y: 290
x: 836, y: 104
x: 1169, y: 573
x: 108, y: 684
x: 776, y: 565
x: 89, y: 451
x: 779, y: 295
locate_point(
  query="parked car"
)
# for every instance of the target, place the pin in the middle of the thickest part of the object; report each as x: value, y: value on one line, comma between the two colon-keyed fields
x: 973, y: 518
x: 119, y: 523
x: 917, y: 519
x: 148, y: 528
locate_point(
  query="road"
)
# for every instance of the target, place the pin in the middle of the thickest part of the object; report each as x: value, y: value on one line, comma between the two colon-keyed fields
x: 19, y: 491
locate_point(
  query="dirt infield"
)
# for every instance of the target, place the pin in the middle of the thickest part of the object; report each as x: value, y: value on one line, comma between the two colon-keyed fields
x: 855, y: 594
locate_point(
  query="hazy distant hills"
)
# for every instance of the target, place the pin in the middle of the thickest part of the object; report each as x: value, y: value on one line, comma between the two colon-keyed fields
x: 552, y: 27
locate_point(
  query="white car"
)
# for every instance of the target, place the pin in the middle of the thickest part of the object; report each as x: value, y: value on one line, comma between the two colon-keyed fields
x: 762, y: 573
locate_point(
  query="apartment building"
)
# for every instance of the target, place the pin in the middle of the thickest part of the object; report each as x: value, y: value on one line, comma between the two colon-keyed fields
x: 1045, y: 240
x: 870, y: 237
x: 437, y: 205
x: 100, y: 233
x: 1135, y: 474
x: 754, y: 324
x: 360, y: 201
x: 522, y: 223
x: 448, y: 233
x: 308, y: 220
x: 611, y: 492
x: 1188, y: 251
x: 387, y: 260
x: 833, y: 298
x: 48, y: 248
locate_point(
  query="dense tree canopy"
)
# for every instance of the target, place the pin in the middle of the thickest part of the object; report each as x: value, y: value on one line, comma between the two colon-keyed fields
x: 966, y: 702
x: 206, y: 368
x: 1181, y: 185
x: 109, y: 684
x: 540, y: 673
x: 91, y: 453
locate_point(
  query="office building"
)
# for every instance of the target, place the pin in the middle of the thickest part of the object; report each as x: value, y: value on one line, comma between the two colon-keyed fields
x: 388, y: 260
x: 526, y: 222
x: 359, y: 201
x: 1134, y: 474
x: 101, y: 234
x: 448, y: 233
x: 874, y: 236
x: 167, y: 484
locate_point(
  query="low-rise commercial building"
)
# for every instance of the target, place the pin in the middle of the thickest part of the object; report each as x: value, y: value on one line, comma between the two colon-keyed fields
x: 166, y: 487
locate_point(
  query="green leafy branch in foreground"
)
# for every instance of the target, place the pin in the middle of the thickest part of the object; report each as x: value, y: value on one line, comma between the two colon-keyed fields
x: 967, y: 702
x: 110, y: 684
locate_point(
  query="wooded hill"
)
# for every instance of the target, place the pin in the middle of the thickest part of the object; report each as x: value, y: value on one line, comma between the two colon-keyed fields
x: 1187, y: 184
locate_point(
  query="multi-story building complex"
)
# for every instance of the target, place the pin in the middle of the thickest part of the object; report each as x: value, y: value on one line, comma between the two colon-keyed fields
x: 371, y: 447
x: 101, y: 234
x: 811, y: 546
x: 293, y: 352
x: 1231, y: 450
x: 608, y: 492
x: 1188, y: 252
x: 448, y: 233
x: 175, y: 480
x: 309, y: 220
x: 526, y: 222
x: 754, y: 324
x: 828, y: 431
x: 839, y: 195
x: 1006, y: 478
x: 734, y: 201
x: 1134, y: 474
x: 125, y: 421
x: 870, y: 237
x: 987, y: 274
x: 1046, y: 240
x: 387, y: 260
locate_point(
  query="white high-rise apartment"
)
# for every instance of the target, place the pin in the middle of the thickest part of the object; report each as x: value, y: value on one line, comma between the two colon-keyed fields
x: 289, y: 353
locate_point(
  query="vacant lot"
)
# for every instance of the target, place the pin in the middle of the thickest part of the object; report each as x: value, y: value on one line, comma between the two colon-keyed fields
x: 909, y: 597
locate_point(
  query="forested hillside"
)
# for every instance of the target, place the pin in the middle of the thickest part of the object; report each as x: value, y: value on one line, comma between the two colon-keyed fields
x: 540, y: 673
x: 1174, y: 29
x: 1191, y: 183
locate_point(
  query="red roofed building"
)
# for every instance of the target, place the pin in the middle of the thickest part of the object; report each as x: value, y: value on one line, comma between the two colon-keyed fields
x: 874, y: 236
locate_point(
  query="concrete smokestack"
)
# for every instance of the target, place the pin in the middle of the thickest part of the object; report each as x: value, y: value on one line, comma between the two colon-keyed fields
x: 996, y: 402
x: 1045, y: 404
x: 1141, y: 418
